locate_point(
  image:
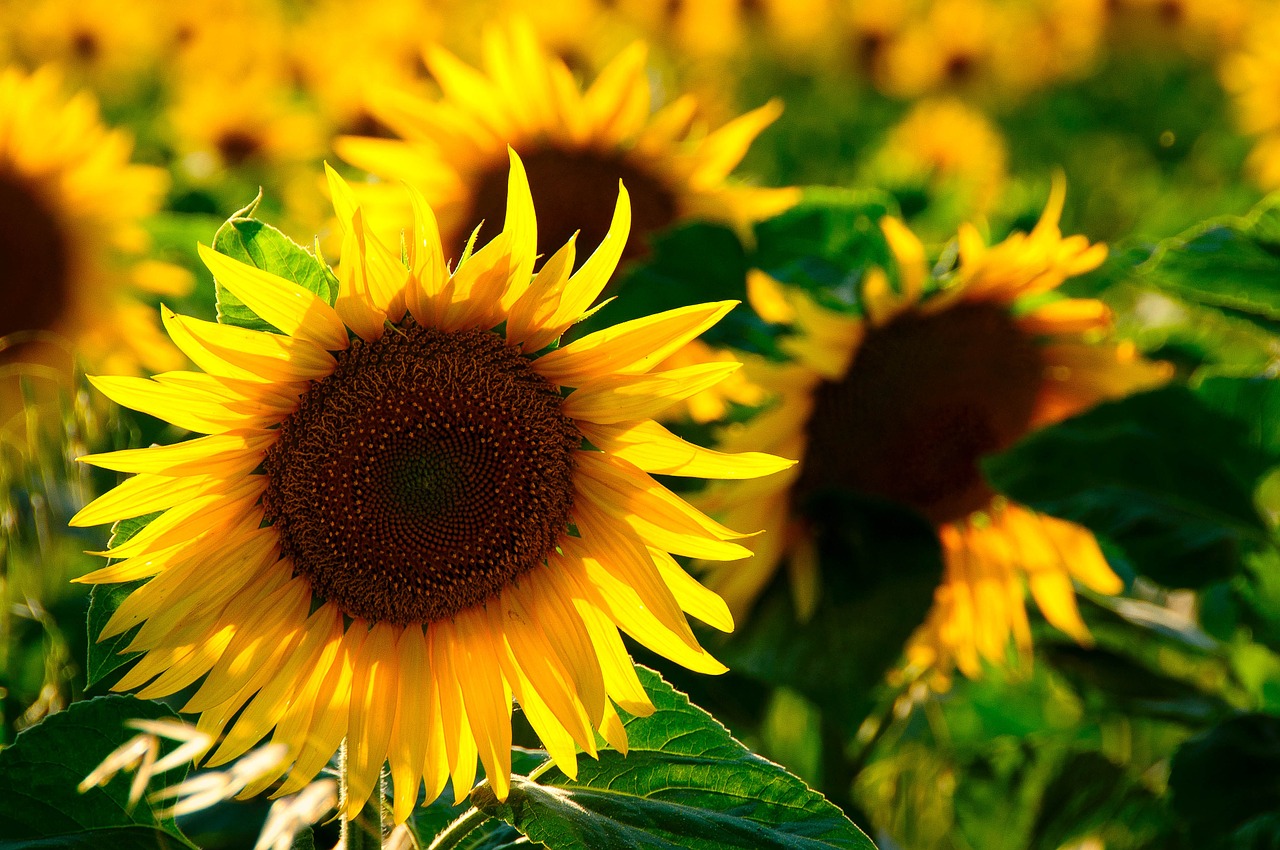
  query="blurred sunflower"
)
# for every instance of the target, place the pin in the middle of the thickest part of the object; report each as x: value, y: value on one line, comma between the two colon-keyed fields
x: 901, y: 404
x: 71, y: 206
x: 437, y: 525
x: 226, y: 123
x: 1198, y: 27
x: 575, y: 144
x: 947, y: 149
x: 1252, y: 76
x: 340, y: 51
x: 110, y: 46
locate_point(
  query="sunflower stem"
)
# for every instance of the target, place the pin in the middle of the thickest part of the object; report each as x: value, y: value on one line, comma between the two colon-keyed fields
x: 453, y: 834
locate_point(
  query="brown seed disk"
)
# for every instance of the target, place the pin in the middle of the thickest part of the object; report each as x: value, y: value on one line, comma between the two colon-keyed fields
x: 34, y: 260
x: 925, y: 398
x: 430, y: 470
x: 573, y: 191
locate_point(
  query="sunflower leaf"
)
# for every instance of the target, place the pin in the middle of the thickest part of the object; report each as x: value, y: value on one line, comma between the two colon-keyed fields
x: 39, y: 803
x: 1168, y: 477
x: 1230, y: 263
x: 685, y: 782
x: 826, y: 242
x: 105, y: 657
x: 259, y: 244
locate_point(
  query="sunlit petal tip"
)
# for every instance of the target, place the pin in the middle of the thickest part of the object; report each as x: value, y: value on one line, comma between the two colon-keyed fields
x: 344, y: 200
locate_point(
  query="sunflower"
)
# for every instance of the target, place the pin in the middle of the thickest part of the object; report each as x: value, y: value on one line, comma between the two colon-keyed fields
x: 108, y: 45
x: 385, y: 537
x: 576, y: 145
x: 71, y: 206
x: 243, y: 122
x: 339, y: 51
x: 902, y: 402
x: 948, y: 148
x: 1252, y: 76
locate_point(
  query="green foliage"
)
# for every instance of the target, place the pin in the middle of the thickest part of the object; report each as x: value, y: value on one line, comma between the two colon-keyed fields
x: 687, y: 264
x: 1225, y: 784
x: 105, y: 657
x: 1231, y: 263
x: 258, y: 244
x: 826, y: 243
x: 683, y: 783
x: 39, y: 802
x: 880, y: 567
x: 1165, y: 476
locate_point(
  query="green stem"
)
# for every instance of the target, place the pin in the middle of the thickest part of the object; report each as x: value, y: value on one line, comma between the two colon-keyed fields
x: 454, y: 833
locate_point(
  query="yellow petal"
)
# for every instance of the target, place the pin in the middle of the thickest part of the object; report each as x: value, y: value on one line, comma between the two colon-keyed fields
x: 585, y: 285
x: 143, y: 494
x: 374, y: 688
x: 291, y: 308
x: 521, y: 228
x: 540, y: 300
x: 622, y: 398
x: 484, y: 694
x: 630, y: 348
x: 694, y: 599
x: 223, y: 455
x: 234, y: 352
x: 409, y: 735
x: 654, y: 449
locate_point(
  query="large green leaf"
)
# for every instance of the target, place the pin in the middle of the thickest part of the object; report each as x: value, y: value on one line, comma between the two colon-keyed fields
x: 1165, y: 476
x: 40, y: 772
x: 105, y: 657
x: 1231, y: 263
x: 111, y: 838
x: 256, y: 243
x: 685, y: 783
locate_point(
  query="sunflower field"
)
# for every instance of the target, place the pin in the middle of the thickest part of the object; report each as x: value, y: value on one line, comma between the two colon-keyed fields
x: 602, y: 424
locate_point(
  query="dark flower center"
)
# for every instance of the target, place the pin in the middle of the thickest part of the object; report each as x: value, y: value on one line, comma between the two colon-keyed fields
x: 236, y: 147
x: 35, y: 266
x: 573, y: 191
x: 429, y: 471
x: 84, y: 45
x: 925, y: 398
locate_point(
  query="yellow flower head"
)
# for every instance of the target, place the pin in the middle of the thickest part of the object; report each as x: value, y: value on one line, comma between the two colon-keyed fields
x: 340, y: 51
x: 949, y: 147
x: 575, y: 143
x: 71, y: 206
x: 902, y: 402
x: 409, y: 509
x: 1252, y: 76
x: 108, y: 45
x: 224, y: 123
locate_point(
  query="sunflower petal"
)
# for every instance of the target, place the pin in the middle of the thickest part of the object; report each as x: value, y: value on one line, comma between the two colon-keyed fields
x: 294, y: 310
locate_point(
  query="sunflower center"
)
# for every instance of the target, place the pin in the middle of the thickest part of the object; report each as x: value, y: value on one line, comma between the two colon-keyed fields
x: 236, y: 147
x: 84, y: 45
x: 34, y: 260
x: 925, y: 398
x: 430, y: 470
x: 574, y: 191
